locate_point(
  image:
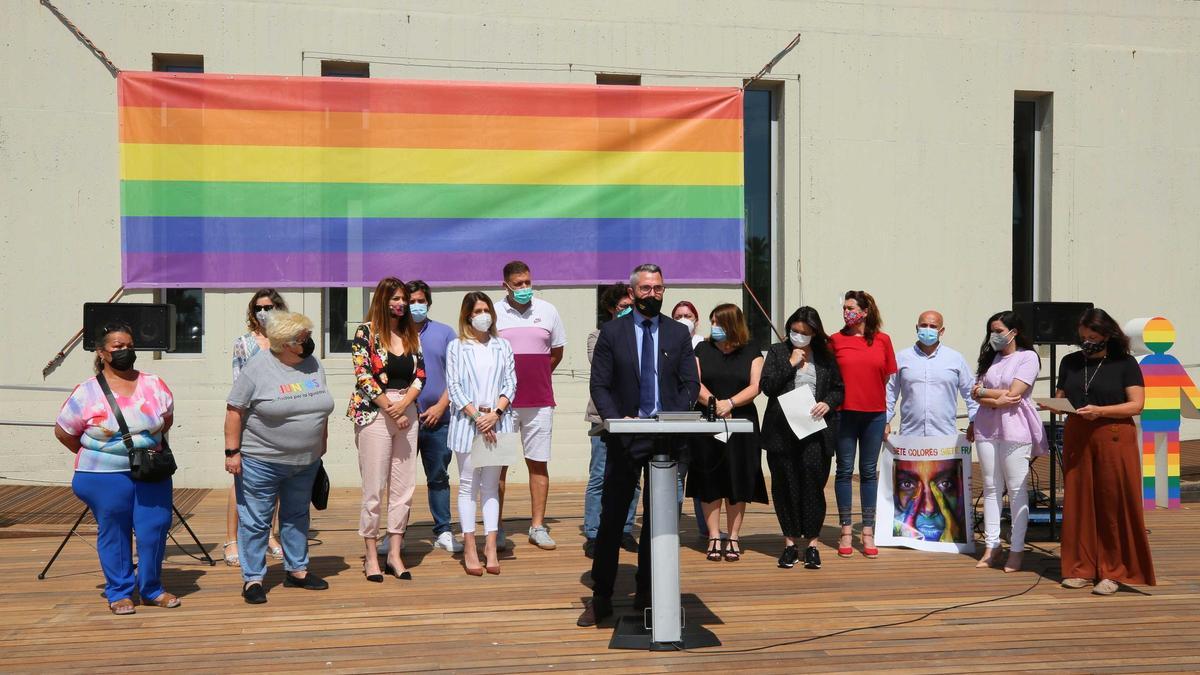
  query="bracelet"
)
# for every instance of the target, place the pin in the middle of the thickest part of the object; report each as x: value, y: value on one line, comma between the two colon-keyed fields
x: 477, y: 415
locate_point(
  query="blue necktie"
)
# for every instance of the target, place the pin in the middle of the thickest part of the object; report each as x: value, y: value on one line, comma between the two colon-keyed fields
x: 646, y: 394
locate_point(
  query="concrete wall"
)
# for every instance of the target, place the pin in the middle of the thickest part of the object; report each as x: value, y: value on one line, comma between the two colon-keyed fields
x: 894, y: 161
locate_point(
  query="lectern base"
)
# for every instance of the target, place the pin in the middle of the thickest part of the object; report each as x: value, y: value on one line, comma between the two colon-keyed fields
x: 631, y: 633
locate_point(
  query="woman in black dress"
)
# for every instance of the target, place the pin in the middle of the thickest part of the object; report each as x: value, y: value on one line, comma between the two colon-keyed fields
x: 730, y: 471
x: 800, y: 467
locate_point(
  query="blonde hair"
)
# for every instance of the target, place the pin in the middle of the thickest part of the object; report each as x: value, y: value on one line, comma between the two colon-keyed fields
x: 285, y: 327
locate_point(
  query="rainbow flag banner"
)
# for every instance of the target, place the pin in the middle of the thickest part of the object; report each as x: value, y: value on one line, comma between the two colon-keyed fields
x: 243, y: 181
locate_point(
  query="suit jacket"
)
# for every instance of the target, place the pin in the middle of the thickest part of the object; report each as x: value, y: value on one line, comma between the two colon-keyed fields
x: 778, y: 378
x: 616, y: 376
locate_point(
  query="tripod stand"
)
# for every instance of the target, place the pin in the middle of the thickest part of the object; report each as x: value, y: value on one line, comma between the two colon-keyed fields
x: 183, y: 521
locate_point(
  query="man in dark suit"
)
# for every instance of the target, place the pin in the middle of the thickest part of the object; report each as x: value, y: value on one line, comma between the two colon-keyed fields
x: 643, y: 363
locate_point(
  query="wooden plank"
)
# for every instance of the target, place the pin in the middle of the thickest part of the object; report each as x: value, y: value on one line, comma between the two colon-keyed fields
x: 770, y: 620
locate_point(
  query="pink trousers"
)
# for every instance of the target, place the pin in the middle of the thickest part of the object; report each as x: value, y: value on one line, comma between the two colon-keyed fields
x: 387, y: 461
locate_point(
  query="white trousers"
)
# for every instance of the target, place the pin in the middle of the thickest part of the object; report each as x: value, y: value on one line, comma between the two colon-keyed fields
x: 482, y: 484
x: 1005, y: 466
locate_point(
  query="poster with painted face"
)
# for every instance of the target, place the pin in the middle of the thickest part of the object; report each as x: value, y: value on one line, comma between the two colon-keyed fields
x: 924, y: 494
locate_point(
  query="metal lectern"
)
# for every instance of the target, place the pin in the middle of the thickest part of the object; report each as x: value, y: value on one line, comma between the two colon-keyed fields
x: 661, y: 626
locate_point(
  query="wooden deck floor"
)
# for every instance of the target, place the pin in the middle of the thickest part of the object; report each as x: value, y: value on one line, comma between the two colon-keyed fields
x: 897, y: 613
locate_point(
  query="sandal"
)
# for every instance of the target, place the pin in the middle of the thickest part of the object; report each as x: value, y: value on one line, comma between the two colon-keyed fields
x: 844, y: 544
x: 122, y: 607
x: 733, y: 552
x: 231, y: 560
x: 716, y: 548
x: 164, y: 599
x: 275, y: 551
x: 869, y: 551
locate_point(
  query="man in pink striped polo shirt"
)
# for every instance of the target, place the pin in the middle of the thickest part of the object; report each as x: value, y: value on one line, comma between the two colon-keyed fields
x: 535, y: 331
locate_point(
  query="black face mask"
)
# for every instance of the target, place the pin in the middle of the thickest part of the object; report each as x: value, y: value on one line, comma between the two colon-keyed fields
x: 307, y: 347
x: 649, y: 306
x: 1092, y: 347
x: 122, y: 359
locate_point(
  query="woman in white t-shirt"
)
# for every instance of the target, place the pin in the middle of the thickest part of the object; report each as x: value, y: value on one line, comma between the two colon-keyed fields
x: 481, y: 379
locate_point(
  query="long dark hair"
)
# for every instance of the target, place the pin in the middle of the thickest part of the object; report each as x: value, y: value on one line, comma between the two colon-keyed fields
x: 1011, y: 321
x: 276, y: 299
x: 866, y: 303
x: 820, y: 342
x: 1100, y: 321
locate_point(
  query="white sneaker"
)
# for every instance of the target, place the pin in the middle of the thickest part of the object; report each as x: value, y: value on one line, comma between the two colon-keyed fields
x: 540, y: 537
x: 382, y: 546
x: 447, y: 541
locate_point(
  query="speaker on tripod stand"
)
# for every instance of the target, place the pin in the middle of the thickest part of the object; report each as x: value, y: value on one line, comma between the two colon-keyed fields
x: 1053, y: 324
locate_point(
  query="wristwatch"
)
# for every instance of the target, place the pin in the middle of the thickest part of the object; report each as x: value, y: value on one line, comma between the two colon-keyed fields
x: 230, y: 452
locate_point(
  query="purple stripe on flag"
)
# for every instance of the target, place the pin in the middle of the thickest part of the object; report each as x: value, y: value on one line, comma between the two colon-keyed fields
x: 291, y: 270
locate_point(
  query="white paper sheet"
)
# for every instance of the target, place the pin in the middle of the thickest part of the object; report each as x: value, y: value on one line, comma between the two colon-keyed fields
x: 1061, y: 405
x: 797, y: 407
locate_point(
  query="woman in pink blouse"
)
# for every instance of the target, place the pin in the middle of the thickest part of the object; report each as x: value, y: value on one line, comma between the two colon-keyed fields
x: 1008, y: 431
x: 88, y: 427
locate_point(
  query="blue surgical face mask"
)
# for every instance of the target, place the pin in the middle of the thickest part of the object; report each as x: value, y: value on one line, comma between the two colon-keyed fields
x: 927, y: 336
x: 717, y: 334
x: 523, y: 295
x: 623, y: 312
x: 418, y: 311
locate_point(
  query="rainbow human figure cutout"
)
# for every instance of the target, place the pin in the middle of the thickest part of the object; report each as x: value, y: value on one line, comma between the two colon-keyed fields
x: 1170, y: 392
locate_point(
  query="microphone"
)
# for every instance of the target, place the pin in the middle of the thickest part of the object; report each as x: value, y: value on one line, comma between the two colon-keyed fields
x: 712, y: 409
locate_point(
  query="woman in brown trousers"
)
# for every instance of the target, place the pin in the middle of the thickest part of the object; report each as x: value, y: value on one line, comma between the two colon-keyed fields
x: 1104, y: 533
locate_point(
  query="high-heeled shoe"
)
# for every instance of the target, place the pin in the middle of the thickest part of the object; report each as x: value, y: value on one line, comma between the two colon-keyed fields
x: 844, y: 542
x: 1013, y: 564
x: 374, y: 578
x: 869, y: 551
x: 473, y: 571
x: 492, y: 569
x: 403, y: 576
x: 990, y: 558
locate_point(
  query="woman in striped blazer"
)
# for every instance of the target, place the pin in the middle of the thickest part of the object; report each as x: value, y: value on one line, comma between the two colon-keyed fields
x: 481, y: 379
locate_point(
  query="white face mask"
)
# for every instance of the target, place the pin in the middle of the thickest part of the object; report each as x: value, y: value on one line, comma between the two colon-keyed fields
x: 481, y: 322
x: 1000, y: 340
x: 691, y: 325
x: 799, y: 339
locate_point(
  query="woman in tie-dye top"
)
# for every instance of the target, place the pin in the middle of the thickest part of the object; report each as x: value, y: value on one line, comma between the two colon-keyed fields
x: 88, y: 427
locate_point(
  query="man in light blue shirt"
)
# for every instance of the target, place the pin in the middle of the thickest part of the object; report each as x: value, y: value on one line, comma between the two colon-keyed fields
x: 929, y: 380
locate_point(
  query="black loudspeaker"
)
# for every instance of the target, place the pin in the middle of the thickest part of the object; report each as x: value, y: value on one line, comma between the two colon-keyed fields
x: 153, y: 325
x: 1052, y: 323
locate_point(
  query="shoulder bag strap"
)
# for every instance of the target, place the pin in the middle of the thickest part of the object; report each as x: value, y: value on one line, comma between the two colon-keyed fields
x: 112, y: 403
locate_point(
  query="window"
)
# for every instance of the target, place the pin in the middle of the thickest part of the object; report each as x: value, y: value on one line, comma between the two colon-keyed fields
x: 189, y: 318
x: 1031, y: 197
x: 345, y: 69
x: 760, y: 133
x: 188, y: 302
x: 177, y: 63
x: 618, y: 78
x: 345, y: 309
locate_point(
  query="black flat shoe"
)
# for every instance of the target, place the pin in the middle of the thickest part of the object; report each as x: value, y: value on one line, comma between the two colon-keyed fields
x: 812, y: 558
x: 629, y: 543
x: 310, y: 581
x: 374, y: 578
x: 589, y: 549
x: 253, y: 593
x: 403, y: 576
x: 789, y: 557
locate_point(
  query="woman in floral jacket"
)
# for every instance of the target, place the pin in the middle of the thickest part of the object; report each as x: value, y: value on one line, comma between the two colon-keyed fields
x: 389, y: 373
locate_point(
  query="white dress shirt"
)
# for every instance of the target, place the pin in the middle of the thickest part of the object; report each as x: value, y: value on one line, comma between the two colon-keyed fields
x: 928, y: 387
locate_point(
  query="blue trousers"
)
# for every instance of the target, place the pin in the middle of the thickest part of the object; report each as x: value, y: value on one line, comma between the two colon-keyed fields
x: 862, y: 431
x: 258, y: 486
x: 435, y: 456
x: 595, y: 488
x: 124, y: 507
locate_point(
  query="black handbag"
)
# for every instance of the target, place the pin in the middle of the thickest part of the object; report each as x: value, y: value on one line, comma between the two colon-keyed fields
x: 146, y: 465
x: 320, y: 491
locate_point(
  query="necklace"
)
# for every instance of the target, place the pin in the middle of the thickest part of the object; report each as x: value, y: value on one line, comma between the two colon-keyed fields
x: 1087, y: 381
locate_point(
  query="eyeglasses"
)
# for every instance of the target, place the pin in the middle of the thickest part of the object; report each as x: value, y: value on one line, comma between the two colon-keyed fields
x: 657, y: 290
x: 264, y: 308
